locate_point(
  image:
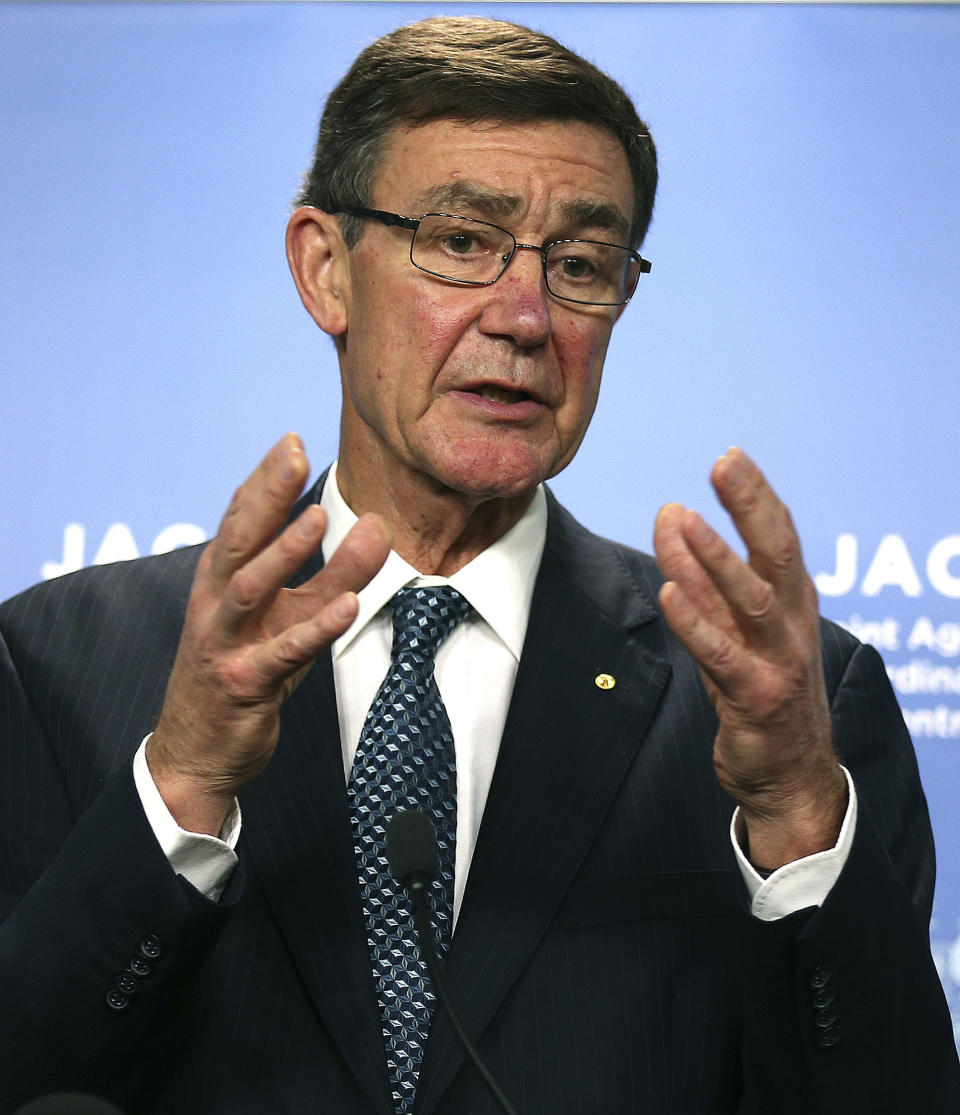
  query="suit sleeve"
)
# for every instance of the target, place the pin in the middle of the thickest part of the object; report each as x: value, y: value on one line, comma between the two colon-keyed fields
x: 844, y: 1011
x: 98, y: 936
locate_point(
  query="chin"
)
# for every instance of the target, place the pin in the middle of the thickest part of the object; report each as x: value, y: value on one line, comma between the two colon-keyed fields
x: 494, y: 475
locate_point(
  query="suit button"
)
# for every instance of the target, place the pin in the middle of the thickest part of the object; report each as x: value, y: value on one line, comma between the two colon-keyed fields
x: 116, y: 1000
x: 828, y: 1038
x: 825, y: 1022
x: 150, y: 948
x: 823, y: 999
x: 140, y: 967
x: 819, y: 977
x: 127, y: 983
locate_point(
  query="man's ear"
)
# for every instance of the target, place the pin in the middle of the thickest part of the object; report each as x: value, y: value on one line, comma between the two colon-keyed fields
x: 317, y: 257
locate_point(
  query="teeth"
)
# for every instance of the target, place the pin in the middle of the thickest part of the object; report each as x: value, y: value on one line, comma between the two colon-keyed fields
x: 501, y: 394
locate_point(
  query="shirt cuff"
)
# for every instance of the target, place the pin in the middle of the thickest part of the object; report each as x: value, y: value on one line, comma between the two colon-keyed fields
x: 205, y: 861
x: 805, y: 882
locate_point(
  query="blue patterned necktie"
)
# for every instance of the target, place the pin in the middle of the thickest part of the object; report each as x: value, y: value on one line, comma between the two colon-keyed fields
x: 406, y: 760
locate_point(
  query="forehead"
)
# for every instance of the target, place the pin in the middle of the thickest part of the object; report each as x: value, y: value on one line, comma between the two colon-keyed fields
x: 537, y: 171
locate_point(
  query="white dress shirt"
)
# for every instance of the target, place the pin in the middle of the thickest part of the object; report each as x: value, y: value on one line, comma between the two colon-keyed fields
x: 476, y: 664
x: 475, y: 671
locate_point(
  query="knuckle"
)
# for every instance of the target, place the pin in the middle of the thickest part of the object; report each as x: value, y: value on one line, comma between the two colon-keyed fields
x: 749, y: 495
x: 762, y: 603
x: 233, y: 676
x: 290, y: 652
x: 293, y: 650
x: 233, y: 538
x: 243, y: 589
x: 785, y: 554
x: 275, y: 492
x: 242, y: 682
x: 785, y: 686
x: 234, y: 508
x: 723, y: 655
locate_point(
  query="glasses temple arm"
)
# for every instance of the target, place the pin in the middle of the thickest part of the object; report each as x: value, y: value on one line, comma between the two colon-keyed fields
x: 391, y: 219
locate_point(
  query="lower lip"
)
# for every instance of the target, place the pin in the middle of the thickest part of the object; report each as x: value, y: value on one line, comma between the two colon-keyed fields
x: 522, y: 411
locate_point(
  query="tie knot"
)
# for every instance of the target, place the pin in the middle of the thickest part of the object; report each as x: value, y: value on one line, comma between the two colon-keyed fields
x: 424, y: 617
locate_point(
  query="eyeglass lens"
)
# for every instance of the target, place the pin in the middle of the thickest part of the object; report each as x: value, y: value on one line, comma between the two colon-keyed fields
x: 470, y: 251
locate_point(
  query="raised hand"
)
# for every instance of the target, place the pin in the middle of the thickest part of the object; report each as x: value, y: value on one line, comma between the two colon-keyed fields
x: 753, y: 628
x: 247, y: 641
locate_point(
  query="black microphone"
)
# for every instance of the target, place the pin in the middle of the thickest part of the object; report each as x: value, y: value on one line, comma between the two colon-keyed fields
x: 412, y: 849
x: 68, y: 1103
x: 412, y: 855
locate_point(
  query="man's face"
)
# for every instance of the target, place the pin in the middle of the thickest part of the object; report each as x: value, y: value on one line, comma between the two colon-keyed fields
x: 483, y: 390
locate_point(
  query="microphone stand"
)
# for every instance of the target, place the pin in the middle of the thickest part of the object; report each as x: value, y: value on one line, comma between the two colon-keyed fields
x: 412, y: 855
x: 418, y: 890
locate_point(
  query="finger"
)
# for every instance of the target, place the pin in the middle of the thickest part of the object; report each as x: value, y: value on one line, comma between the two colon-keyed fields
x: 724, y: 662
x: 356, y: 561
x: 296, y: 646
x: 679, y: 563
x: 258, y: 509
x: 764, y: 524
x: 254, y: 586
x: 751, y: 600
x: 325, y: 606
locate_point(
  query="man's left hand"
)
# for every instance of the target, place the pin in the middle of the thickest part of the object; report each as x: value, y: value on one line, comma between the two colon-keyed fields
x: 753, y: 628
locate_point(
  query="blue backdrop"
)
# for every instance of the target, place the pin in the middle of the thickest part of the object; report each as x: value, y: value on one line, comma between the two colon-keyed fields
x: 803, y: 301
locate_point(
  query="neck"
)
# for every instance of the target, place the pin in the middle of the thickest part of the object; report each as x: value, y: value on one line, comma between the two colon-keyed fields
x: 436, y: 529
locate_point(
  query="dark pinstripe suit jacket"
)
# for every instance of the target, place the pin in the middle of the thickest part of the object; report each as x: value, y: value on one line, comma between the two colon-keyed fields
x: 603, y: 952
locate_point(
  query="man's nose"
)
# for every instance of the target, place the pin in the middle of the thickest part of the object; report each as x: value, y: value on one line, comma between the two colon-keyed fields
x: 519, y: 304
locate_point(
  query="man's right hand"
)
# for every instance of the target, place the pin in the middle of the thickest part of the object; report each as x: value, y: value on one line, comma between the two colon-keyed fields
x: 247, y: 641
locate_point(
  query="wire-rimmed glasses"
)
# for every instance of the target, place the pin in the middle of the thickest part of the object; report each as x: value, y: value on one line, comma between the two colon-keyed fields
x: 476, y: 253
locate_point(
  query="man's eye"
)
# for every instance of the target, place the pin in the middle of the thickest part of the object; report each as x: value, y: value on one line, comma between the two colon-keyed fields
x: 577, y: 267
x: 460, y: 243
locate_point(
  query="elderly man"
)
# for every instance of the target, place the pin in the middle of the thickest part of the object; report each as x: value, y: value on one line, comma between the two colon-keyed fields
x: 426, y: 628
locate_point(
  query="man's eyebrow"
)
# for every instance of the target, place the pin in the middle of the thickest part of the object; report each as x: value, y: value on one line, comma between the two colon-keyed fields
x: 600, y: 215
x: 463, y: 194
x: 580, y: 214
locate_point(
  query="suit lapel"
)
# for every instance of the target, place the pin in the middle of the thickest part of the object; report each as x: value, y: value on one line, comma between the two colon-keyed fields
x: 297, y: 831
x: 566, y: 748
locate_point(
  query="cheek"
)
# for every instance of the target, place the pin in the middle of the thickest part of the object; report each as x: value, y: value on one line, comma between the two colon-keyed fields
x: 581, y: 352
x: 400, y: 371
x: 435, y: 326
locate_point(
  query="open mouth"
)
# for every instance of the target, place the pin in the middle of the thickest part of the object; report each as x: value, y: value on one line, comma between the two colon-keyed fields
x: 501, y: 394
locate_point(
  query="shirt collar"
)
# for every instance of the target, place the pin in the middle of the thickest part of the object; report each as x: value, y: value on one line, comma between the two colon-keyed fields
x: 498, y: 582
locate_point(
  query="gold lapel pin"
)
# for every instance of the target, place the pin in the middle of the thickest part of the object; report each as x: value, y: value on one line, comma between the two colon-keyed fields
x: 604, y: 681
